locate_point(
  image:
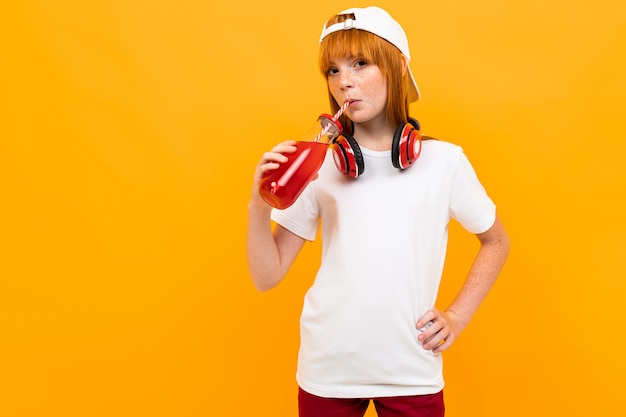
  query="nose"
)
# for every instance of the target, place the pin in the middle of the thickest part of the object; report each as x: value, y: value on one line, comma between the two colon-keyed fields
x: 346, y: 79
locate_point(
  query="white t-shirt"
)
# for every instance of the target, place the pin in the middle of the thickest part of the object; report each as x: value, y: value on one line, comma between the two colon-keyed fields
x: 384, y: 238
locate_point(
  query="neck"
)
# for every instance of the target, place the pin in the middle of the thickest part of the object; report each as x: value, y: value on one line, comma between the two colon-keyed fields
x: 374, y: 136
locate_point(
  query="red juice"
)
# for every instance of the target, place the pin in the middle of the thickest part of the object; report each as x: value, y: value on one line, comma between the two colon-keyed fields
x: 282, y: 186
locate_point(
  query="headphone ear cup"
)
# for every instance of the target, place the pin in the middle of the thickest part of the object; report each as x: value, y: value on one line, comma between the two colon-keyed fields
x: 347, y: 155
x: 406, y: 145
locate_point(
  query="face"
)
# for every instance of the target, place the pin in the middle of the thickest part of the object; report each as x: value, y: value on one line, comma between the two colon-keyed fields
x: 363, y: 84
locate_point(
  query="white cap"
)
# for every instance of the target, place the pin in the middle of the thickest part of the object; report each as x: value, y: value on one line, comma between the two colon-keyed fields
x: 377, y: 21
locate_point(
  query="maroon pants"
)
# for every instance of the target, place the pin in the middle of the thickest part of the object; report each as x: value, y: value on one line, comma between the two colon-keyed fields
x: 411, y: 406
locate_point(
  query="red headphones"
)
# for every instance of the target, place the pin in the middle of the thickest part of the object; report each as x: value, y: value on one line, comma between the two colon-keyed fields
x: 405, y: 149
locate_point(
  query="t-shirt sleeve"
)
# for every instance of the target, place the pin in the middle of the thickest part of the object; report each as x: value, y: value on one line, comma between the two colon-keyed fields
x: 302, y: 217
x: 469, y: 203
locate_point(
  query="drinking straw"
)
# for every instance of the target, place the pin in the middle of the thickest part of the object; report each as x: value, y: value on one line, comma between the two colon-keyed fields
x: 336, y: 116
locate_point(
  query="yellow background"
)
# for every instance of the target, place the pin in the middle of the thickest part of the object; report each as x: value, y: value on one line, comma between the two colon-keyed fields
x: 129, y: 133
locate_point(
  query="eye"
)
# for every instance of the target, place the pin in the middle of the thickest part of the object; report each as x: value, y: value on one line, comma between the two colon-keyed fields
x: 332, y: 71
x: 360, y: 63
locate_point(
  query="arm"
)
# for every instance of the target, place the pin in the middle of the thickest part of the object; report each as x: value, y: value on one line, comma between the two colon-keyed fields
x: 270, y: 254
x: 448, y: 325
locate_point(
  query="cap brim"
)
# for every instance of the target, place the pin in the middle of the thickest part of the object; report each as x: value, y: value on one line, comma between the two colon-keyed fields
x: 414, y: 92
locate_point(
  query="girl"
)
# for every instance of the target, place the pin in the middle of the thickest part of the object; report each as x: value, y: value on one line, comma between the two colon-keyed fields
x: 369, y: 328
